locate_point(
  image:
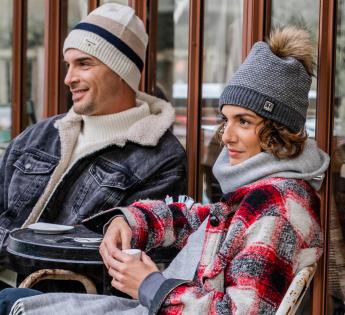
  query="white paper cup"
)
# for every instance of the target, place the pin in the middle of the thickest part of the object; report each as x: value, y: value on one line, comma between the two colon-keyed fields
x: 133, y: 252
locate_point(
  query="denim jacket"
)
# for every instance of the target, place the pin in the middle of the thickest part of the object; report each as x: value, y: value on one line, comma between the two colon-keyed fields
x: 112, y: 175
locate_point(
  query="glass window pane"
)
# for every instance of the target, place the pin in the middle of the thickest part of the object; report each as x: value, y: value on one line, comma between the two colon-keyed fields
x: 125, y: 2
x: 172, y: 59
x: 77, y: 10
x: 35, y: 62
x: 5, y: 72
x: 222, y: 57
x: 336, y: 259
x: 306, y: 14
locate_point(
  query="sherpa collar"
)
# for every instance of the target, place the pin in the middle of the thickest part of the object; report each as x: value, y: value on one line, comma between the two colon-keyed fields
x: 147, y: 131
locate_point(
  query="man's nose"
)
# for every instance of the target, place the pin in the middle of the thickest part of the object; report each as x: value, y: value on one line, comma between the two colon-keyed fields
x: 70, y: 77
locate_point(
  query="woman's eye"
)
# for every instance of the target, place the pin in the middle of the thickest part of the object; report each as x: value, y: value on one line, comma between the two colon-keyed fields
x: 244, y: 122
x: 222, y: 127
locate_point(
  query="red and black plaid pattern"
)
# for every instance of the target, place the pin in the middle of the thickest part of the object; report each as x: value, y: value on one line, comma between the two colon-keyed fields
x: 266, y: 231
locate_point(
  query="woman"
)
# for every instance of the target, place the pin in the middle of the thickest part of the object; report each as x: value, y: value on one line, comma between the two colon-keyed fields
x: 239, y: 255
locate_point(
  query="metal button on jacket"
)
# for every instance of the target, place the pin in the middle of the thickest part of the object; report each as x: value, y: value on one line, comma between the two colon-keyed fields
x: 27, y: 166
x: 214, y: 221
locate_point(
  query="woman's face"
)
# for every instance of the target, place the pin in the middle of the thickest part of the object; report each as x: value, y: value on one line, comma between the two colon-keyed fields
x: 240, y: 134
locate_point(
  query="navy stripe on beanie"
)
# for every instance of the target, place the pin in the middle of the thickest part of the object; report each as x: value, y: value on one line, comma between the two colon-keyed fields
x: 113, y: 40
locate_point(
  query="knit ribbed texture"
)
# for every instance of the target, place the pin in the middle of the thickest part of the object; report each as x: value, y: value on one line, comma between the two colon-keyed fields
x: 106, y: 128
x: 274, y: 88
x: 309, y: 166
x: 116, y: 36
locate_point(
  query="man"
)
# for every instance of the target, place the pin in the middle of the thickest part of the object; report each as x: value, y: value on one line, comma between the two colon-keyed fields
x: 113, y: 147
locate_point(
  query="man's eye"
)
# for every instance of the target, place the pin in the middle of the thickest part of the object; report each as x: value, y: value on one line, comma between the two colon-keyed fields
x: 84, y: 65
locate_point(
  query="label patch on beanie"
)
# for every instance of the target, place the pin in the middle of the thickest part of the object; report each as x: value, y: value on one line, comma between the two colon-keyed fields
x: 268, y: 106
x: 90, y: 42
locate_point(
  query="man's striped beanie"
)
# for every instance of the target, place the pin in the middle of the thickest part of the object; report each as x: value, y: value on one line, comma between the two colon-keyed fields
x: 116, y: 36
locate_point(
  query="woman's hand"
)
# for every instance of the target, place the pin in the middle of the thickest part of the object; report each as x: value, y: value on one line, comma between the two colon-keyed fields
x: 129, y: 272
x: 118, y: 235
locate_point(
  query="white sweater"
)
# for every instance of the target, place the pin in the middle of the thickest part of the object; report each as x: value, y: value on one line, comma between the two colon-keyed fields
x: 105, y: 128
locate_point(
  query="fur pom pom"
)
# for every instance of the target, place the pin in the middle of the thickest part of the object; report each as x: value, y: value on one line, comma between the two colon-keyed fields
x: 293, y: 42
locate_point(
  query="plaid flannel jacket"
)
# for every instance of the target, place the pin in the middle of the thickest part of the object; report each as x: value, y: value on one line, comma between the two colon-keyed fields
x: 256, y: 239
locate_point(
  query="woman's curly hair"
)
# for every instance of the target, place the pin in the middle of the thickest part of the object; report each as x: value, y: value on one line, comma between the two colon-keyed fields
x: 277, y: 139
x: 280, y: 141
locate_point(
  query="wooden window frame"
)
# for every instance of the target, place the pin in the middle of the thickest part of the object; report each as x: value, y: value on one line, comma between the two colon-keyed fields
x: 19, y: 45
x: 254, y: 24
x: 194, y: 95
x: 92, y: 5
x: 324, y: 135
x: 55, y: 32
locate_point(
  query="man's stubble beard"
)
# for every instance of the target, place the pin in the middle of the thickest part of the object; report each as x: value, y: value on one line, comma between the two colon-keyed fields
x: 84, y: 109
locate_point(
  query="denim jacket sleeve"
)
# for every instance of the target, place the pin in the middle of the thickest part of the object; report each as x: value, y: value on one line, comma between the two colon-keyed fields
x: 3, y: 195
x: 172, y: 183
x: 3, y: 165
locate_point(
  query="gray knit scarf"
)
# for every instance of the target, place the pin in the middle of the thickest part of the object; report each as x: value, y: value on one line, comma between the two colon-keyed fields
x: 310, y: 166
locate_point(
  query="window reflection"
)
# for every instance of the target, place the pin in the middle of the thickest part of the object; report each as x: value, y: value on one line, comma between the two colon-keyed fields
x: 222, y: 57
x: 172, y: 59
x: 336, y: 262
x: 77, y: 10
x: 305, y: 14
x: 5, y: 72
x: 35, y: 62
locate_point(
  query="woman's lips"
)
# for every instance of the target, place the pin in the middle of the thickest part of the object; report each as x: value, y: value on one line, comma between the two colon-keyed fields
x: 233, y: 153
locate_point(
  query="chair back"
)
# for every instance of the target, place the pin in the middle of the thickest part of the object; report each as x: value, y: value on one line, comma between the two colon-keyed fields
x: 296, y: 291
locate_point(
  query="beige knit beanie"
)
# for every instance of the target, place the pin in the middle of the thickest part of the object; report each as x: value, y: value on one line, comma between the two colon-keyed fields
x: 116, y: 36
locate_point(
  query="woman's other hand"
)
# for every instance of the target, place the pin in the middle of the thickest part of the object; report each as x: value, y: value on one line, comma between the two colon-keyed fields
x: 129, y: 272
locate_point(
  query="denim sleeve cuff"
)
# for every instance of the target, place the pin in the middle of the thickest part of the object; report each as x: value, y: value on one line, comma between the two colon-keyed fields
x: 97, y: 222
x: 149, y: 287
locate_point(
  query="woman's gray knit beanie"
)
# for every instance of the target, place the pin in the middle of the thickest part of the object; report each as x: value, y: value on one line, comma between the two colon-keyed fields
x: 272, y: 86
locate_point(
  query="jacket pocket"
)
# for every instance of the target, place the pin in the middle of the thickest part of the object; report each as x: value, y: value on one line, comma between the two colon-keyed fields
x: 112, y: 175
x: 33, y: 164
x: 31, y: 173
x: 104, y: 187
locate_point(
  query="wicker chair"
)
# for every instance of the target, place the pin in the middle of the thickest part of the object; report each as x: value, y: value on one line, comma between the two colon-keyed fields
x: 58, y: 274
x: 296, y: 291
